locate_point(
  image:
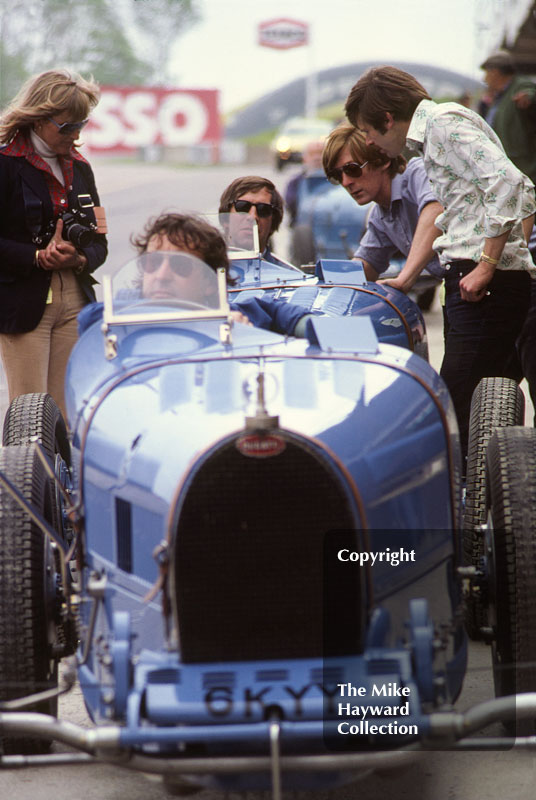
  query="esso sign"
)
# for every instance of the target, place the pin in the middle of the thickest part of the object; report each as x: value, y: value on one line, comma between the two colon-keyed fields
x: 128, y: 118
x: 283, y: 33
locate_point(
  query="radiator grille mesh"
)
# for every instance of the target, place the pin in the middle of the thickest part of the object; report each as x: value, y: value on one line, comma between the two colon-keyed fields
x: 248, y: 557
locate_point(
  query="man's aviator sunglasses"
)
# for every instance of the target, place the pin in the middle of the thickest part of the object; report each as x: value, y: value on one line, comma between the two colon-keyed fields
x: 352, y: 169
x: 181, y: 264
x: 67, y: 128
x: 263, y: 209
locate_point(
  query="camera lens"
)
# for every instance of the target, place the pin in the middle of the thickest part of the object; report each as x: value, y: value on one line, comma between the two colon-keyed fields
x: 79, y: 235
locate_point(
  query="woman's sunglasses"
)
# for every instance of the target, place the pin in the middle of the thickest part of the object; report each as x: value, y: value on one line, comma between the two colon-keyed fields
x: 263, y: 209
x: 352, y: 169
x: 181, y: 265
x: 67, y: 128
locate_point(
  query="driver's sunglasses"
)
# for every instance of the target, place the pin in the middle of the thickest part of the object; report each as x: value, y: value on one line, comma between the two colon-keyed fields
x: 352, y: 169
x: 263, y: 209
x: 152, y: 262
x: 67, y: 128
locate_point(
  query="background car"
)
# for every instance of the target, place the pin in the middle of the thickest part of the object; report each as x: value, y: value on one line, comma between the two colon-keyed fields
x: 328, y: 222
x: 287, y: 147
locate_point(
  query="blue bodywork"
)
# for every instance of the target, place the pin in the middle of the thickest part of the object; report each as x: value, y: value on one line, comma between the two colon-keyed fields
x: 221, y: 473
x: 376, y: 454
x: 337, y: 288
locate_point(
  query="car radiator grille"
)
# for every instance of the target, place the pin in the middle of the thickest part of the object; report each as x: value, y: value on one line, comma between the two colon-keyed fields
x: 248, y: 573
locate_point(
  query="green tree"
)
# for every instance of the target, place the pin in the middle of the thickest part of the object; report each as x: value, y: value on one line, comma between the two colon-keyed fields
x: 89, y: 37
x: 158, y: 24
x: 15, y: 44
x: 12, y: 74
x: 121, y: 42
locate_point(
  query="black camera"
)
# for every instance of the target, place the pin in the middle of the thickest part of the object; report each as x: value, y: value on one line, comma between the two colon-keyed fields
x: 79, y: 224
x: 76, y: 230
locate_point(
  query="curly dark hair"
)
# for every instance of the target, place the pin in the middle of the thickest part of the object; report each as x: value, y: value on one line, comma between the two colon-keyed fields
x: 189, y: 229
x: 253, y: 183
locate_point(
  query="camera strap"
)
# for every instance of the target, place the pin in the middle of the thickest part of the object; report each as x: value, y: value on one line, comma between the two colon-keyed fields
x: 84, y: 202
x: 33, y: 212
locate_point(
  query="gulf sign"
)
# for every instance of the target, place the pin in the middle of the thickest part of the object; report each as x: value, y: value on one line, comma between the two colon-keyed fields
x: 283, y: 33
x: 128, y: 118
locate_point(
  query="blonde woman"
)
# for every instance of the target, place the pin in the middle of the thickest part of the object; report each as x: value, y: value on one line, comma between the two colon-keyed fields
x: 51, y: 229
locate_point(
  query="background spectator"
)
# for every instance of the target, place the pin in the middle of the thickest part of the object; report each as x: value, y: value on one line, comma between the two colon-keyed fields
x: 312, y: 163
x: 512, y: 110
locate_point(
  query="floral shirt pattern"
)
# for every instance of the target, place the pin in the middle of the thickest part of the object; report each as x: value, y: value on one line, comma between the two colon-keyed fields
x: 481, y: 190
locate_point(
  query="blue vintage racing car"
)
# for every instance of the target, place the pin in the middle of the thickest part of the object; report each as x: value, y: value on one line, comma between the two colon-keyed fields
x: 248, y: 544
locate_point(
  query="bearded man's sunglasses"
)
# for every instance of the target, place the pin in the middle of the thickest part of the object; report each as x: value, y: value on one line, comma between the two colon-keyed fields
x: 181, y: 264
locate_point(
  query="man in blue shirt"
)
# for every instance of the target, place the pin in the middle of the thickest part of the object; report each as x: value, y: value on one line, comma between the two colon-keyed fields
x: 402, y: 221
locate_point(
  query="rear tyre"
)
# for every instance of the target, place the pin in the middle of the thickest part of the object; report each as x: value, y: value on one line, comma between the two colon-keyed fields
x: 511, y: 461
x: 27, y: 592
x: 36, y: 417
x: 496, y: 403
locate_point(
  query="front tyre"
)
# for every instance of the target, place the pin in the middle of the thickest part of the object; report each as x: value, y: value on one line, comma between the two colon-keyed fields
x: 36, y: 417
x: 27, y: 592
x: 496, y: 403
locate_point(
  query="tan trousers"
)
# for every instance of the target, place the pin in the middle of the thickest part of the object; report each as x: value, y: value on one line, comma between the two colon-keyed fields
x: 37, y: 361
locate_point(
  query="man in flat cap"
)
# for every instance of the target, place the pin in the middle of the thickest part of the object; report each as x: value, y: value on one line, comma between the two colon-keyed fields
x: 512, y: 112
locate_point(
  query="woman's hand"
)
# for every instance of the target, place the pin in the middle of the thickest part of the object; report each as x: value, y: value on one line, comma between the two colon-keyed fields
x: 61, y: 254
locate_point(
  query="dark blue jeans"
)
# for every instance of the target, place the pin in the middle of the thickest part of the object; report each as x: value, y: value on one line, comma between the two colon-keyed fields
x: 480, y: 338
x: 526, y: 345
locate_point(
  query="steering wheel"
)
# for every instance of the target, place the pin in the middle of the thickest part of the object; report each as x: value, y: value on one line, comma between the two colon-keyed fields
x: 185, y: 304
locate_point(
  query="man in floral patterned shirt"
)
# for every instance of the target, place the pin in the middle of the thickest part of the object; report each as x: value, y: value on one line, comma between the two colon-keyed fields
x: 488, y: 213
